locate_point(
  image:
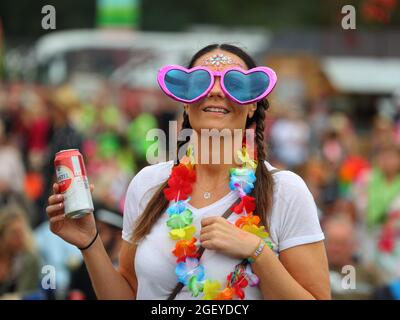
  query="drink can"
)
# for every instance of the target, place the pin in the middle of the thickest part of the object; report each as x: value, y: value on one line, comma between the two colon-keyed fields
x: 73, y: 183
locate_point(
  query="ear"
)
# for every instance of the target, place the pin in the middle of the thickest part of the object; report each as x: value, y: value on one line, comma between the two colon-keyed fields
x: 252, y: 109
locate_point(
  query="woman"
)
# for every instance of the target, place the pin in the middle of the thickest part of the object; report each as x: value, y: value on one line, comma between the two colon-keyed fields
x: 19, y: 261
x: 295, y: 267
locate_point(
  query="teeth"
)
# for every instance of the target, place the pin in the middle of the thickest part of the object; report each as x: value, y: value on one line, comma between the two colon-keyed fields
x: 214, y: 109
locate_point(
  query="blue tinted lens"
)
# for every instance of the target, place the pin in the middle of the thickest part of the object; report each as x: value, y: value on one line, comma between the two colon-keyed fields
x: 246, y: 87
x: 187, y: 86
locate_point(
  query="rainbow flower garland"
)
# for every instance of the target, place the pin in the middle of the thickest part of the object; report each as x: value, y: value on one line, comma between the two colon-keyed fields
x: 180, y: 222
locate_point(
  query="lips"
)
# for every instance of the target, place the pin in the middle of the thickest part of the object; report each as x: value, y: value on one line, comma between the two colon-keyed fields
x: 216, y: 109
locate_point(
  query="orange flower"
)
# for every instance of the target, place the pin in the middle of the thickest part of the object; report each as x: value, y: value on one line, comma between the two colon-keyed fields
x: 184, y: 248
x: 247, y: 220
x: 226, y: 294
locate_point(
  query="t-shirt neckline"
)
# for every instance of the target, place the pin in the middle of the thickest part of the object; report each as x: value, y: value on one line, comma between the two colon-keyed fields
x: 225, y: 197
x: 212, y: 205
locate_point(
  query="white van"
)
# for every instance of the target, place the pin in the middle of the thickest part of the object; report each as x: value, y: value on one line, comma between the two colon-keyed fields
x: 126, y: 57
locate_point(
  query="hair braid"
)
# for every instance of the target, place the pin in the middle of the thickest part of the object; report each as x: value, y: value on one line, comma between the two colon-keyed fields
x: 185, y: 125
x: 263, y: 189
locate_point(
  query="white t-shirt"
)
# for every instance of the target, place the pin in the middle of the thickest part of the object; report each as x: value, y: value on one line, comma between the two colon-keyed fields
x: 294, y: 221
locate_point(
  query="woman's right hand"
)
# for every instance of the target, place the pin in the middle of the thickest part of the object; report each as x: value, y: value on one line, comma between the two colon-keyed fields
x: 78, y: 232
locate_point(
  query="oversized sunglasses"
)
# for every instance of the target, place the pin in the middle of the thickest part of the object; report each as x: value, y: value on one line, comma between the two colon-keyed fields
x: 241, y: 86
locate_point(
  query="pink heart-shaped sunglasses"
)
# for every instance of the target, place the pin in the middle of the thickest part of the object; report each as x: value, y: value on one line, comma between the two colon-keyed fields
x: 241, y: 86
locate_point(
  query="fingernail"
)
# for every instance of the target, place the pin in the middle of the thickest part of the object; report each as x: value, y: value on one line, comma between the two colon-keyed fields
x: 60, y: 197
x: 61, y: 205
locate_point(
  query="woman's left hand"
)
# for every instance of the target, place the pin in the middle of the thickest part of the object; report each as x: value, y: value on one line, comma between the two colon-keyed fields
x: 220, y: 235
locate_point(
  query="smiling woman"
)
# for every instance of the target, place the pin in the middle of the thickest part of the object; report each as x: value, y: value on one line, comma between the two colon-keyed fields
x: 256, y: 234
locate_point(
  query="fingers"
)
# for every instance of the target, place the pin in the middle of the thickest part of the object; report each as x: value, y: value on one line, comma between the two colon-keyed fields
x: 208, y: 245
x: 208, y: 221
x: 207, y: 229
x: 55, y: 209
x: 211, y: 232
x: 218, y: 223
x: 57, y: 218
x: 213, y: 244
x: 206, y: 236
x: 55, y: 199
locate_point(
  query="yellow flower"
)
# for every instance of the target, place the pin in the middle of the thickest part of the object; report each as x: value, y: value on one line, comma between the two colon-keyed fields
x: 190, y: 153
x: 244, y: 156
x: 183, y: 233
x: 188, y: 160
x: 258, y: 231
x: 211, y: 289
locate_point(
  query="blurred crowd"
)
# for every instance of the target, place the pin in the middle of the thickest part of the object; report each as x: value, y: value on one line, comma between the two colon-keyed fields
x: 354, y: 178
x: 35, y: 123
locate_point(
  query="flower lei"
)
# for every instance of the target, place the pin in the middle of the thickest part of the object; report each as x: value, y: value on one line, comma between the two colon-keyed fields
x: 189, y: 270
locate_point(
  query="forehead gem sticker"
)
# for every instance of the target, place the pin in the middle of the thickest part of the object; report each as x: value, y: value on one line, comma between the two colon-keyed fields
x: 218, y: 59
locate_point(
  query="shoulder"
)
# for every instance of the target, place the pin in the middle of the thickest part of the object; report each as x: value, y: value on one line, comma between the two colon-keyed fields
x: 140, y: 191
x: 294, y: 217
x: 153, y: 174
x: 148, y: 178
x: 287, y: 183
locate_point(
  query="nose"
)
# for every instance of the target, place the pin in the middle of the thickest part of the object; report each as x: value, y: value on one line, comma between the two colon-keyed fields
x: 216, y: 90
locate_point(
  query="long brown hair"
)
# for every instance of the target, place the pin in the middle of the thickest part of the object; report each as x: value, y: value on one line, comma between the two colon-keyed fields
x: 263, y: 189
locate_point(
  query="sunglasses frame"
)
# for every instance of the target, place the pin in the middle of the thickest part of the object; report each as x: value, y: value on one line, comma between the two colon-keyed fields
x: 164, y: 70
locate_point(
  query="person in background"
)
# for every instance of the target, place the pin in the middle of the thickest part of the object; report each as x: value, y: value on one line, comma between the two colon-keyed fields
x: 63, y: 134
x: 59, y: 254
x: 35, y: 126
x: 109, y: 225
x: 382, y: 131
x: 341, y: 245
x: 387, y: 256
x: 12, y: 171
x: 314, y: 174
x: 34, y: 130
x: 384, y: 183
x: 19, y: 261
x: 138, y: 129
x: 290, y: 138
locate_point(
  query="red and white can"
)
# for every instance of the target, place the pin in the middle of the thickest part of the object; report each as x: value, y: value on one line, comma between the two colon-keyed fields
x: 73, y: 183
